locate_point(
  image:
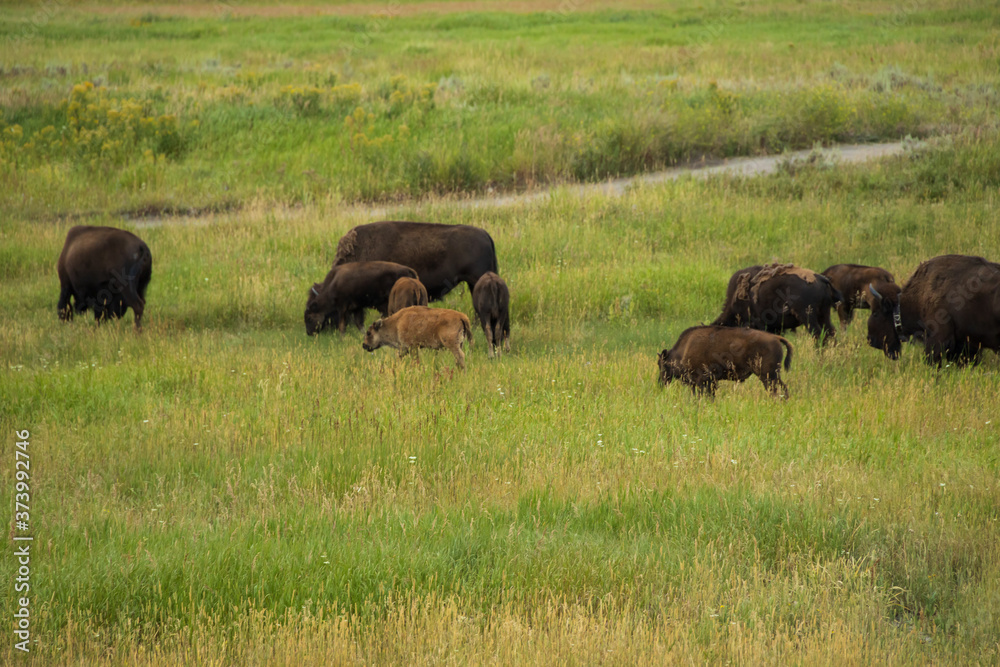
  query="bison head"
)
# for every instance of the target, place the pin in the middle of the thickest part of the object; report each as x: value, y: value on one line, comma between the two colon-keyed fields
x: 884, y: 325
x: 373, y: 337
x: 315, y: 317
x: 667, y: 369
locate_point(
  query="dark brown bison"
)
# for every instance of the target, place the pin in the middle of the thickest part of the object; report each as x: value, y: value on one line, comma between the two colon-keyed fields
x: 442, y: 255
x: 347, y: 290
x: 852, y: 281
x: 491, y: 301
x: 704, y: 355
x: 104, y: 269
x: 405, y: 293
x: 779, y: 297
x: 419, y: 326
x: 951, y: 303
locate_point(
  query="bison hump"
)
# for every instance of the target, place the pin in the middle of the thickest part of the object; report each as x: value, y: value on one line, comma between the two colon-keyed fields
x: 743, y: 287
x: 775, y: 270
x: 345, y: 248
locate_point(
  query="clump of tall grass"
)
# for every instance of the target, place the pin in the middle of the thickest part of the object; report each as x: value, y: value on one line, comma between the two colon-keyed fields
x: 98, y: 130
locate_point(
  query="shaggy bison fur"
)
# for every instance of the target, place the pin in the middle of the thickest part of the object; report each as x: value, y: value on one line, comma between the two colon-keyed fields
x: 780, y: 297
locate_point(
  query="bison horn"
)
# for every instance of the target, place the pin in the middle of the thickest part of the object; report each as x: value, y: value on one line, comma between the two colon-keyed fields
x: 314, y: 291
x: 874, y: 292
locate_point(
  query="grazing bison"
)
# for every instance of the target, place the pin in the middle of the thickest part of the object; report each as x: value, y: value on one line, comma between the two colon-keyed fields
x: 491, y: 300
x: 419, y: 326
x: 347, y: 290
x: 442, y: 255
x: 779, y: 297
x: 951, y: 302
x: 703, y: 355
x: 104, y: 269
x: 405, y: 293
x: 852, y: 281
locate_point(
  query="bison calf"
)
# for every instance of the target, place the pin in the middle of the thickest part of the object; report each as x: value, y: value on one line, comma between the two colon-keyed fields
x: 704, y: 355
x: 419, y: 326
x: 491, y: 300
x: 104, y: 269
x: 405, y: 293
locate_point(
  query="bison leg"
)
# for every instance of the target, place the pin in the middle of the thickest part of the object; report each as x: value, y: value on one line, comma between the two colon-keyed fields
x: 705, y: 385
x: 100, y: 306
x: 359, y: 319
x: 820, y: 326
x: 498, y: 337
x: 64, y: 307
x: 488, y: 332
x: 772, y: 382
x: 845, y: 312
x: 415, y: 351
x: 830, y: 331
x: 135, y: 302
x: 459, y: 355
x: 341, y: 319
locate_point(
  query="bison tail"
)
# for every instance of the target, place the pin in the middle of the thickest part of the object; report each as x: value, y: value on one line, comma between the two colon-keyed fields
x: 496, y: 264
x: 467, y: 327
x: 788, y: 355
x: 835, y: 294
x: 725, y: 319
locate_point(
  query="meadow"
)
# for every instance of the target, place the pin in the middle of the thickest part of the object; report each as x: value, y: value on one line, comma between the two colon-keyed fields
x: 223, y: 489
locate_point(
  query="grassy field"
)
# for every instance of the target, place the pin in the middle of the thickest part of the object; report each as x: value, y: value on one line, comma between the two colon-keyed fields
x: 224, y: 489
x: 150, y: 110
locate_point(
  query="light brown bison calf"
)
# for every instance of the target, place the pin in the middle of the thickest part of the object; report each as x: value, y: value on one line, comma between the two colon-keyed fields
x: 419, y: 326
x: 706, y: 354
x: 491, y: 299
x: 405, y: 293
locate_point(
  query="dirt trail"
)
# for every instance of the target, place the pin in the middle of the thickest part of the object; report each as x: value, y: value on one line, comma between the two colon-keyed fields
x: 743, y: 166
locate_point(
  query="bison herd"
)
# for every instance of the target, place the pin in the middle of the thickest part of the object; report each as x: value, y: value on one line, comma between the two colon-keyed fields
x: 951, y: 303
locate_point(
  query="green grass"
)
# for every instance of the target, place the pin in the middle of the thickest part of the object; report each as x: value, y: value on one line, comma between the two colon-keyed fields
x: 222, y: 485
x: 223, y: 488
x: 462, y: 102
